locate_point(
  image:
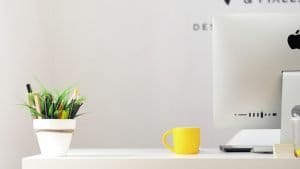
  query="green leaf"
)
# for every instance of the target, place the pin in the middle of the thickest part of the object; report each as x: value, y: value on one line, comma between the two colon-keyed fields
x: 62, y: 96
x: 51, y: 111
x: 65, y: 115
x: 55, y: 104
x: 55, y: 114
x: 75, y: 110
x: 34, y: 112
x: 80, y: 114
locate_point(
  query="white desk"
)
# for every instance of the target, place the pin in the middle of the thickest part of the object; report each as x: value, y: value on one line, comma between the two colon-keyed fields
x: 157, y: 159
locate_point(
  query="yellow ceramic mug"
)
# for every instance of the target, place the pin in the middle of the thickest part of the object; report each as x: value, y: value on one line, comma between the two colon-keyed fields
x: 186, y: 140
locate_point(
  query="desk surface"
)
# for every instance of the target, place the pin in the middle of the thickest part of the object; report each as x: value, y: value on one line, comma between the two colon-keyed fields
x: 157, y: 159
x: 149, y: 154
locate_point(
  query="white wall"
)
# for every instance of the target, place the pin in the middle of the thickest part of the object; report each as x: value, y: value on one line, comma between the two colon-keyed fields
x: 22, y: 54
x: 140, y: 64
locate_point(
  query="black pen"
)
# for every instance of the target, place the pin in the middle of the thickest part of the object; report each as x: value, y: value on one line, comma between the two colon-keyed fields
x: 28, y: 87
x: 30, y: 96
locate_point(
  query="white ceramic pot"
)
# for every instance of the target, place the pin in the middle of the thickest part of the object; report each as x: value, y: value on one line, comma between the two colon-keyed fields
x: 54, y: 135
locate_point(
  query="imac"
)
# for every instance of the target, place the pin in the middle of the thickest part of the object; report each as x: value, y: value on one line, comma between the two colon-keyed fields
x: 250, y: 52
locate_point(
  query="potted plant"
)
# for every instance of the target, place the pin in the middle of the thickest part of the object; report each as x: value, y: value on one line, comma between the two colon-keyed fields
x: 54, y: 116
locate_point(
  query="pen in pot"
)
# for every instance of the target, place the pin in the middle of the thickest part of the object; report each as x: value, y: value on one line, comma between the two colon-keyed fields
x: 30, y: 96
x: 28, y: 87
x: 37, y: 103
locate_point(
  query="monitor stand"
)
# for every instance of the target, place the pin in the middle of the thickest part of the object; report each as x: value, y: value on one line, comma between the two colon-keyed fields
x: 255, y: 140
x: 256, y: 137
x: 290, y: 103
x: 250, y: 139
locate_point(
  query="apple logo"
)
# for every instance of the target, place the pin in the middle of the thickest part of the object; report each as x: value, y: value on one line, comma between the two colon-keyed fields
x: 294, y: 40
x: 227, y: 2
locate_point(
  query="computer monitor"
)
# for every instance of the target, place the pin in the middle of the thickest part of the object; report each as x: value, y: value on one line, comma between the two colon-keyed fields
x: 250, y: 51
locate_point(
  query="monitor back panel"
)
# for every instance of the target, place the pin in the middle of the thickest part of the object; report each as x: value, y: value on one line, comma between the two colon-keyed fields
x: 249, y: 53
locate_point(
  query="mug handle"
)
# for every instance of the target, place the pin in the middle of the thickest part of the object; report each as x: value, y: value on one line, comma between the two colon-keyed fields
x: 164, y: 139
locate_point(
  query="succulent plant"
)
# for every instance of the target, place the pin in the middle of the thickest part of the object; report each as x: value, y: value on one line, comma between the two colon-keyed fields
x: 48, y: 104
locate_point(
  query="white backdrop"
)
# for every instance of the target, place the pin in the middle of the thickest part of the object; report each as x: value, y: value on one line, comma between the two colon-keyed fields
x: 140, y: 64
